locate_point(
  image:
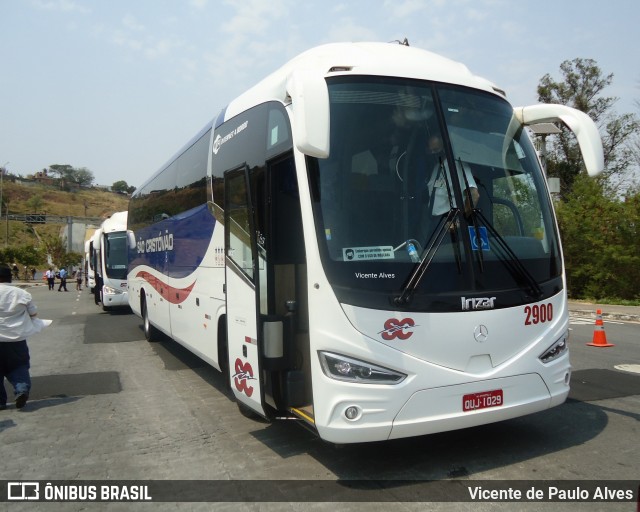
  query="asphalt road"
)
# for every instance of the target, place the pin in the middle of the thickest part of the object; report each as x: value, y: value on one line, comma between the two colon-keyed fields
x: 106, y: 405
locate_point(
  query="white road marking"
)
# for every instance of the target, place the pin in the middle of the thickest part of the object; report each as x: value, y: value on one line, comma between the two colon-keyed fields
x: 634, y: 368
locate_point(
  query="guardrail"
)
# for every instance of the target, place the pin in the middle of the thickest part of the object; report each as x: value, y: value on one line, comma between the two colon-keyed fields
x: 39, y: 218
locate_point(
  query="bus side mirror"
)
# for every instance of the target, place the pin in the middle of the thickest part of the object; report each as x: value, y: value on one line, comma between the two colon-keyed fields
x: 577, y: 121
x: 310, y: 105
x: 131, y: 239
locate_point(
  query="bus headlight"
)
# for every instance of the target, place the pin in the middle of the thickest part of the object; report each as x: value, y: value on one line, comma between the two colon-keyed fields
x: 344, y: 368
x: 107, y: 290
x: 556, y: 350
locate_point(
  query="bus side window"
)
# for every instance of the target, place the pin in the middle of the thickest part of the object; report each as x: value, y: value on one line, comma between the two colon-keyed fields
x: 277, y: 129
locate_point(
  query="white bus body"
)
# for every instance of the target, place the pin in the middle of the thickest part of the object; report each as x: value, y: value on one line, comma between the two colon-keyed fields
x: 111, y: 257
x: 293, y: 245
x: 92, y: 255
x: 89, y: 273
x: 87, y: 262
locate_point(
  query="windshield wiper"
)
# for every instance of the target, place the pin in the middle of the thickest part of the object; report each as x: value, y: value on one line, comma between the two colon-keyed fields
x: 511, y: 262
x: 474, y: 217
x: 435, y: 242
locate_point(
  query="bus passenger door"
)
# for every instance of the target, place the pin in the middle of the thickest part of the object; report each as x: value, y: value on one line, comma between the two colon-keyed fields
x: 243, y: 261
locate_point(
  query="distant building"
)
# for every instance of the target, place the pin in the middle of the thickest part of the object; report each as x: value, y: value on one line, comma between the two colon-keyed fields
x: 44, y: 178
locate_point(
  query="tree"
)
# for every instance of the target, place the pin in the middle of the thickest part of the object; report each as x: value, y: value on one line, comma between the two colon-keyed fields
x: 121, y: 187
x: 582, y: 87
x: 83, y: 177
x: 61, y: 171
x: 56, y: 248
x: 600, y: 231
x: 601, y: 241
x: 68, y: 174
x: 35, y: 203
x: 25, y: 255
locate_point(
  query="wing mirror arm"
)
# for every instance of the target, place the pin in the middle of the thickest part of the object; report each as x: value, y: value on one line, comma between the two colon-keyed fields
x: 578, y: 122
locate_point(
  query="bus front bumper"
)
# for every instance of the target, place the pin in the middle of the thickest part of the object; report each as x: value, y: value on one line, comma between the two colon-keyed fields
x: 445, y: 408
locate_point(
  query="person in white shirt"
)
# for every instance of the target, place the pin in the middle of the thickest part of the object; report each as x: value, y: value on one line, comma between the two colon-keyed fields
x: 437, y: 186
x: 51, y: 278
x: 17, y: 314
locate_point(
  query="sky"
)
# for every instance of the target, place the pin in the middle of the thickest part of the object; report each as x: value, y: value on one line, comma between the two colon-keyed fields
x: 118, y: 86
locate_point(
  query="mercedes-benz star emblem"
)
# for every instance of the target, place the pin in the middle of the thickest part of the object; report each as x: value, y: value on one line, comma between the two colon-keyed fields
x: 481, y: 333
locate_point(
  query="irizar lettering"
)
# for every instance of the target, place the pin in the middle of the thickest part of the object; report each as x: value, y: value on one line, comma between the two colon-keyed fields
x: 477, y: 303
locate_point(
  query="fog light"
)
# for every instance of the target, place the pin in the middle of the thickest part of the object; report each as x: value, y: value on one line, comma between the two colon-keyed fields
x: 352, y: 413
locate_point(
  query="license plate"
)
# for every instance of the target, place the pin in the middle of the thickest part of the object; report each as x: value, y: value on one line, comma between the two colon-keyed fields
x: 475, y: 401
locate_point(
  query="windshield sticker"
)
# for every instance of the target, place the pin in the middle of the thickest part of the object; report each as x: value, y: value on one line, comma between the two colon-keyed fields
x: 375, y: 275
x: 484, y: 238
x: 368, y: 253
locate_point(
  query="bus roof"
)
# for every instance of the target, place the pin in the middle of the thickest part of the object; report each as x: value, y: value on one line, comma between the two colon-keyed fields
x: 117, y: 222
x: 366, y: 58
x: 381, y: 59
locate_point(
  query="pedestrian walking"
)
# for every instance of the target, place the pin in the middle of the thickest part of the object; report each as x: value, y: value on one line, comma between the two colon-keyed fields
x: 79, y: 279
x: 51, y: 278
x: 63, y: 280
x: 17, y: 322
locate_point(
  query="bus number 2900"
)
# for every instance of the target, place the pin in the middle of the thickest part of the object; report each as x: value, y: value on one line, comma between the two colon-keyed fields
x: 538, y: 314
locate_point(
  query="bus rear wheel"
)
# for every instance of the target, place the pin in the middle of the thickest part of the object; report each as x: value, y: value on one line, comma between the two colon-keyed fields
x: 150, y: 332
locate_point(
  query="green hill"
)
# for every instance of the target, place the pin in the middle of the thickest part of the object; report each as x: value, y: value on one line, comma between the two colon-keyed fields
x: 21, y: 198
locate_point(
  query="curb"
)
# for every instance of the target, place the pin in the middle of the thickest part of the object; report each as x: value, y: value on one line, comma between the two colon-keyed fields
x: 611, y: 315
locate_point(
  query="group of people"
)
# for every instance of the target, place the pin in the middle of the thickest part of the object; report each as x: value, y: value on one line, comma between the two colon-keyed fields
x: 50, y: 276
x: 16, y: 272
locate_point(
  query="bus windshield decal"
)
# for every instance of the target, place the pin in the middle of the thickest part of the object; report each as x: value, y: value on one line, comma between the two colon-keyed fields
x: 368, y: 253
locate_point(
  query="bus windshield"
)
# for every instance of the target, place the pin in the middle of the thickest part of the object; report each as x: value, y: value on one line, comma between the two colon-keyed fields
x: 382, y: 197
x: 115, y: 255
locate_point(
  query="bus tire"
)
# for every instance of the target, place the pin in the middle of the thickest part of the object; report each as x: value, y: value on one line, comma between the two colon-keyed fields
x: 249, y: 413
x: 223, y: 354
x: 150, y: 332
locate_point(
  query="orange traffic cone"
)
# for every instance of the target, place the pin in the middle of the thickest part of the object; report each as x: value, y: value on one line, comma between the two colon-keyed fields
x: 599, y: 336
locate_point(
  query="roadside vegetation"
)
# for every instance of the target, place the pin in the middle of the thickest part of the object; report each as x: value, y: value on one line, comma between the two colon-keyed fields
x: 27, y: 245
x: 599, y: 219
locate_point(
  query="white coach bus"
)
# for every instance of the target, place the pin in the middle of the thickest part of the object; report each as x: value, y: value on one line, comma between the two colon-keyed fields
x: 309, y: 244
x: 109, y: 254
